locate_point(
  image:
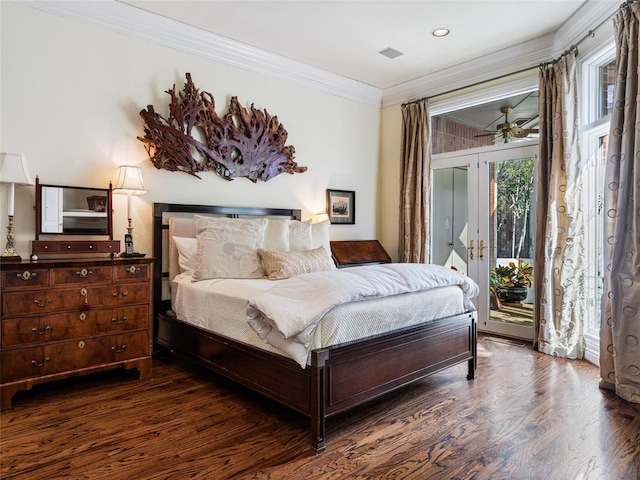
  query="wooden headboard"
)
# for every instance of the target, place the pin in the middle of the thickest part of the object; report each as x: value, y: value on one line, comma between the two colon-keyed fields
x: 162, y: 212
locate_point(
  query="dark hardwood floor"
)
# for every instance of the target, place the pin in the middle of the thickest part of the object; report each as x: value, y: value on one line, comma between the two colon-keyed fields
x: 525, y: 416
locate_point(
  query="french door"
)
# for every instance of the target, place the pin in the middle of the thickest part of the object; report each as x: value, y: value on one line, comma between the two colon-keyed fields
x: 483, y: 216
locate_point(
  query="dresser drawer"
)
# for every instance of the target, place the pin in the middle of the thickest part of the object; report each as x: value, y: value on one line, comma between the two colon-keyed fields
x: 66, y: 326
x: 60, y: 357
x: 78, y: 298
x: 24, y: 278
x: 81, y: 275
x: 132, y: 272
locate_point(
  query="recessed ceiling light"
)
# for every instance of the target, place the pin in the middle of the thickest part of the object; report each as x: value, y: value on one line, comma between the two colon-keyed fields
x: 440, y: 32
x: 390, y: 53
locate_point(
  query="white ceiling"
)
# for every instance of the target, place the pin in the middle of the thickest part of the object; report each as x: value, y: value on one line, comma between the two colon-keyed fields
x: 344, y: 37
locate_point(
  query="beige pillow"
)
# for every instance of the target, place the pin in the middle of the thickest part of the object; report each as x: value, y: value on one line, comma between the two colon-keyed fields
x: 228, y: 247
x: 279, y: 265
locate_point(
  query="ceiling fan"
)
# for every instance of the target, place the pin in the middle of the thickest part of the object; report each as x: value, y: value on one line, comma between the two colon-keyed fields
x: 508, y: 129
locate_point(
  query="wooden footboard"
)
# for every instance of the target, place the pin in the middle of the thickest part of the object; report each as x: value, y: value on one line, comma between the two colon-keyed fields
x: 340, y: 377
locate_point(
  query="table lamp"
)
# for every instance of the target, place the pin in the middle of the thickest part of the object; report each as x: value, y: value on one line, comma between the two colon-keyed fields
x: 13, y: 171
x: 129, y: 183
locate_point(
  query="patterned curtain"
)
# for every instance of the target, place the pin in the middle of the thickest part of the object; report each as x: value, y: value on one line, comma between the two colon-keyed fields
x: 620, y: 326
x: 560, y: 255
x: 415, y: 193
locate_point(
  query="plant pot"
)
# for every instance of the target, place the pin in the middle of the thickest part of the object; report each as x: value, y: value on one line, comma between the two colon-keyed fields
x: 511, y: 294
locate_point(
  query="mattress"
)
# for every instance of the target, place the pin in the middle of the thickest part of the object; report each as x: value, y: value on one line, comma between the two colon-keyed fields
x: 219, y: 306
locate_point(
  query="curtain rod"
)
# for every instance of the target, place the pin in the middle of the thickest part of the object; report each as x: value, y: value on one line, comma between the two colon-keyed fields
x: 573, y: 49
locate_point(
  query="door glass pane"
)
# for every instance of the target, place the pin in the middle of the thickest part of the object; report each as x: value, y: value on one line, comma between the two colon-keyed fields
x: 450, y: 219
x: 511, y: 239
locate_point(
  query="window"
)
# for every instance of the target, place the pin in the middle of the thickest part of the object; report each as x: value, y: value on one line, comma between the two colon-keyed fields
x: 598, y: 76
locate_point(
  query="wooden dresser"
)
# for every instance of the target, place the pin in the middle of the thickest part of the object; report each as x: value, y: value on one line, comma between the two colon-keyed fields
x: 62, y: 318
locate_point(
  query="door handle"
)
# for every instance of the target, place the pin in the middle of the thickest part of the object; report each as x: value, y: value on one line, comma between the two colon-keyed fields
x: 481, y: 249
x: 471, y: 250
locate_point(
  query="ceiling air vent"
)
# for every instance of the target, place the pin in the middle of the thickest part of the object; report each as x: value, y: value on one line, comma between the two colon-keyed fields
x: 390, y: 53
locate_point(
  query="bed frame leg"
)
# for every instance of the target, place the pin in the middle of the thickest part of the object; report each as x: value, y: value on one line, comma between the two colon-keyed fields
x: 318, y: 393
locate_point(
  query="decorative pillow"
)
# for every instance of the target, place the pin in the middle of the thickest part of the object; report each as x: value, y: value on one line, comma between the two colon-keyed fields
x: 187, y: 250
x: 320, y: 236
x: 227, y: 247
x: 279, y: 265
x: 276, y: 235
x: 299, y: 235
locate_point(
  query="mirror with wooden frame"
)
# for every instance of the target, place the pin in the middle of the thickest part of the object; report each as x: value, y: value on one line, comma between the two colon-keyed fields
x: 85, y: 212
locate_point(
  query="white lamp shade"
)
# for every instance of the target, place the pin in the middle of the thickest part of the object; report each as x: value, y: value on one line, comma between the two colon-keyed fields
x: 130, y: 181
x: 13, y: 169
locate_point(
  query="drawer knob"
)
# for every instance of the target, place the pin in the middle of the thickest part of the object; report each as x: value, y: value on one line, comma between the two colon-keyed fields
x: 27, y: 275
x: 42, y: 304
x: 133, y: 270
x: 36, y: 364
x: 115, y: 320
x: 120, y: 296
x: 119, y: 349
x: 41, y: 331
x: 84, y: 273
x: 83, y: 316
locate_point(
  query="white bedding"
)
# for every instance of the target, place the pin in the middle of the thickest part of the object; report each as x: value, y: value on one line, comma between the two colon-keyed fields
x: 221, y: 306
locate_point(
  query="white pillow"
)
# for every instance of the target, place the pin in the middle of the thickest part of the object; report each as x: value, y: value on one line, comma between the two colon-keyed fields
x: 320, y: 236
x: 227, y: 247
x: 187, y: 250
x: 276, y: 235
x: 280, y: 265
x: 299, y: 235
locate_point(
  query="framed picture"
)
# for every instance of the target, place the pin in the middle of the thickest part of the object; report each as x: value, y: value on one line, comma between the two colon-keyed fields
x: 341, y: 206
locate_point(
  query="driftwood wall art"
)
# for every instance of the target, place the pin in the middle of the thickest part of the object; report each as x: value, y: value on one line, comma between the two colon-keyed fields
x: 240, y: 144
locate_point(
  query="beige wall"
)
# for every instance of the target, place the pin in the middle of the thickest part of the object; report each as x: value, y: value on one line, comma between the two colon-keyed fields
x: 71, y: 93
x: 389, y: 197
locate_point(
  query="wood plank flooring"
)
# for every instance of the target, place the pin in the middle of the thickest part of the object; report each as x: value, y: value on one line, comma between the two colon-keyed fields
x: 525, y: 416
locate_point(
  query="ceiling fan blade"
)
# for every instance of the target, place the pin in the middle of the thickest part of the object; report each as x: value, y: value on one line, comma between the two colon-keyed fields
x: 485, y: 135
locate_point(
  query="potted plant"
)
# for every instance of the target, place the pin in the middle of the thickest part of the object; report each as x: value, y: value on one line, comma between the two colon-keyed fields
x: 514, y: 281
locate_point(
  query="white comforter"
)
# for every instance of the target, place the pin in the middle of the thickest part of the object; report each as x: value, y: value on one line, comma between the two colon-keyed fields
x: 294, y: 306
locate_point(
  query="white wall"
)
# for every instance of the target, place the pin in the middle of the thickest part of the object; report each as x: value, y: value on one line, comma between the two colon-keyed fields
x: 71, y: 93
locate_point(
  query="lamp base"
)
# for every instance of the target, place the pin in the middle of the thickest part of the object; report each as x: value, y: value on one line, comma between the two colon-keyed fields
x: 10, y: 258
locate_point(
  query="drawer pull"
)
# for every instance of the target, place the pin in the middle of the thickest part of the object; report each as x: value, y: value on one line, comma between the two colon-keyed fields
x: 119, y: 349
x: 36, y: 364
x: 115, y: 320
x: 133, y: 270
x: 27, y: 275
x: 84, y: 273
x: 42, y: 304
x: 40, y: 331
x: 120, y: 296
x: 83, y: 316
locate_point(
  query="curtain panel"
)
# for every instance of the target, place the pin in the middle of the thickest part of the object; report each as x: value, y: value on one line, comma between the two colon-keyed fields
x: 560, y: 256
x: 415, y: 191
x: 620, y: 322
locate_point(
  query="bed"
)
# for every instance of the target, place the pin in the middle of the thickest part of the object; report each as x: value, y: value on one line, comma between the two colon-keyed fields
x: 324, y: 380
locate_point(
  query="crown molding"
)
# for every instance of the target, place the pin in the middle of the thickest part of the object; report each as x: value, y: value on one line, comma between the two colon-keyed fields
x: 513, y: 59
x: 138, y: 23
